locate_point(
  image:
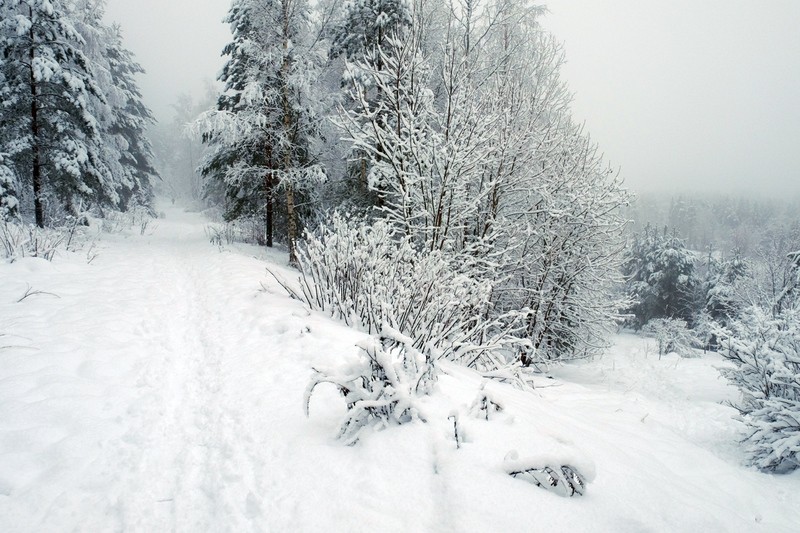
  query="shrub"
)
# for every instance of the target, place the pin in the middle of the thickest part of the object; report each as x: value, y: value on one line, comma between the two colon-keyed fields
x: 765, y: 350
x: 19, y: 240
x: 381, y: 387
x: 672, y: 335
x: 370, y: 277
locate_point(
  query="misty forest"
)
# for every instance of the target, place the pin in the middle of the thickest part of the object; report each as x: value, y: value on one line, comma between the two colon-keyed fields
x: 377, y: 276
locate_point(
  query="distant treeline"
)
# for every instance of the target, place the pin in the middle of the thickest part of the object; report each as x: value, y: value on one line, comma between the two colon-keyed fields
x: 718, y: 222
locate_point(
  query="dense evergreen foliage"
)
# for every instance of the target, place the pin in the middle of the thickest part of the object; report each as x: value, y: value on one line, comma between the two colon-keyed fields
x: 73, y: 120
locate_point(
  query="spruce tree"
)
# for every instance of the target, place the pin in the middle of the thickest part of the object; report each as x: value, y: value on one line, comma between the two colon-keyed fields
x: 363, y: 36
x: 49, y: 134
x: 130, y: 120
x: 367, y: 25
x: 266, y: 121
x: 123, y: 147
x: 661, y: 277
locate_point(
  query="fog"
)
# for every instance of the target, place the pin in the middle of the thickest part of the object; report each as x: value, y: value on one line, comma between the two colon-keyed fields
x: 679, y: 95
x: 178, y: 42
x: 687, y: 94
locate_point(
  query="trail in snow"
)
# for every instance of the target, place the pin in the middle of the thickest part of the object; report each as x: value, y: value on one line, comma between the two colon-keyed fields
x: 148, y: 388
x: 160, y: 389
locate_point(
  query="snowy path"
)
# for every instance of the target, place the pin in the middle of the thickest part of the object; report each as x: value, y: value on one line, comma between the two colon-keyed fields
x: 159, y: 388
x: 144, y: 402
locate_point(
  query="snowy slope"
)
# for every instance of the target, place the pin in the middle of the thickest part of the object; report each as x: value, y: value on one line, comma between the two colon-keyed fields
x: 159, y: 388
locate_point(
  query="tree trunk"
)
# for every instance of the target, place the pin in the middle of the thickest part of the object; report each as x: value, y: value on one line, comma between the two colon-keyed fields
x: 270, y: 209
x: 37, y: 165
x: 270, y: 212
x: 287, y: 156
x: 292, y: 224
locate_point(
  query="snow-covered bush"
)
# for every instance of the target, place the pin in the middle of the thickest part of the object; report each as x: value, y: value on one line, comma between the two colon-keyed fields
x: 138, y: 218
x: 246, y: 228
x: 485, y: 405
x: 551, y: 474
x: 766, y: 352
x: 381, y: 386
x: 18, y: 239
x: 672, y: 336
x: 370, y: 277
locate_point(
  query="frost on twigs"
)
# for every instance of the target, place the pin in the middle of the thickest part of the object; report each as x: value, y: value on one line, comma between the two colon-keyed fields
x: 380, y: 389
x: 562, y: 480
x: 370, y: 275
x: 765, y: 351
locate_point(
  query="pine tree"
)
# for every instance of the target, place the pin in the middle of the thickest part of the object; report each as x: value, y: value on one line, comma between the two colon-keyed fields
x: 722, y: 303
x: 48, y: 132
x: 245, y: 164
x: 264, y: 129
x: 765, y: 351
x: 122, y: 117
x: 396, y: 134
x: 661, y: 277
x: 364, y: 34
x: 8, y: 198
x: 367, y: 25
x: 130, y: 121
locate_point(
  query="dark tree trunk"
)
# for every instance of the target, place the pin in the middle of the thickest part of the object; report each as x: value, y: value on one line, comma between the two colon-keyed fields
x: 37, y: 165
x: 287, y: 125
x: 270, y: 214
x: 269, y: 184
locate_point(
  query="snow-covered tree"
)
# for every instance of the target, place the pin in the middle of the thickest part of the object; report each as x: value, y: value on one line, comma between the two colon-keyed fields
x: 264, y: 129
x: 396, y: 133
x: 8, y: 198
x: 765, y: 350
x: 482, y: 161
x: 131, y: 121
x: 661, y: 277
x: 367, y: 25
x: 772, y: 280
x: 722, y: 301
x: 49, y: 134
x: 123, y: 118
x: 363, y: 34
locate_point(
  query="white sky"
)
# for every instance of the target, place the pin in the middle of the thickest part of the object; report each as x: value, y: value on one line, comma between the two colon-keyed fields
x: 178, y: 42
x: 688, y: 94
x: 679, y: 94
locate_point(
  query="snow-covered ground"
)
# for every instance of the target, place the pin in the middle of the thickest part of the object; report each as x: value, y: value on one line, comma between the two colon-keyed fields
x: 159, y: 388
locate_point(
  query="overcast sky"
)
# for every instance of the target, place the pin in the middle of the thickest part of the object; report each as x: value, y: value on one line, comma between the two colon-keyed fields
x: 685, y: 94
x: 178, y: 42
